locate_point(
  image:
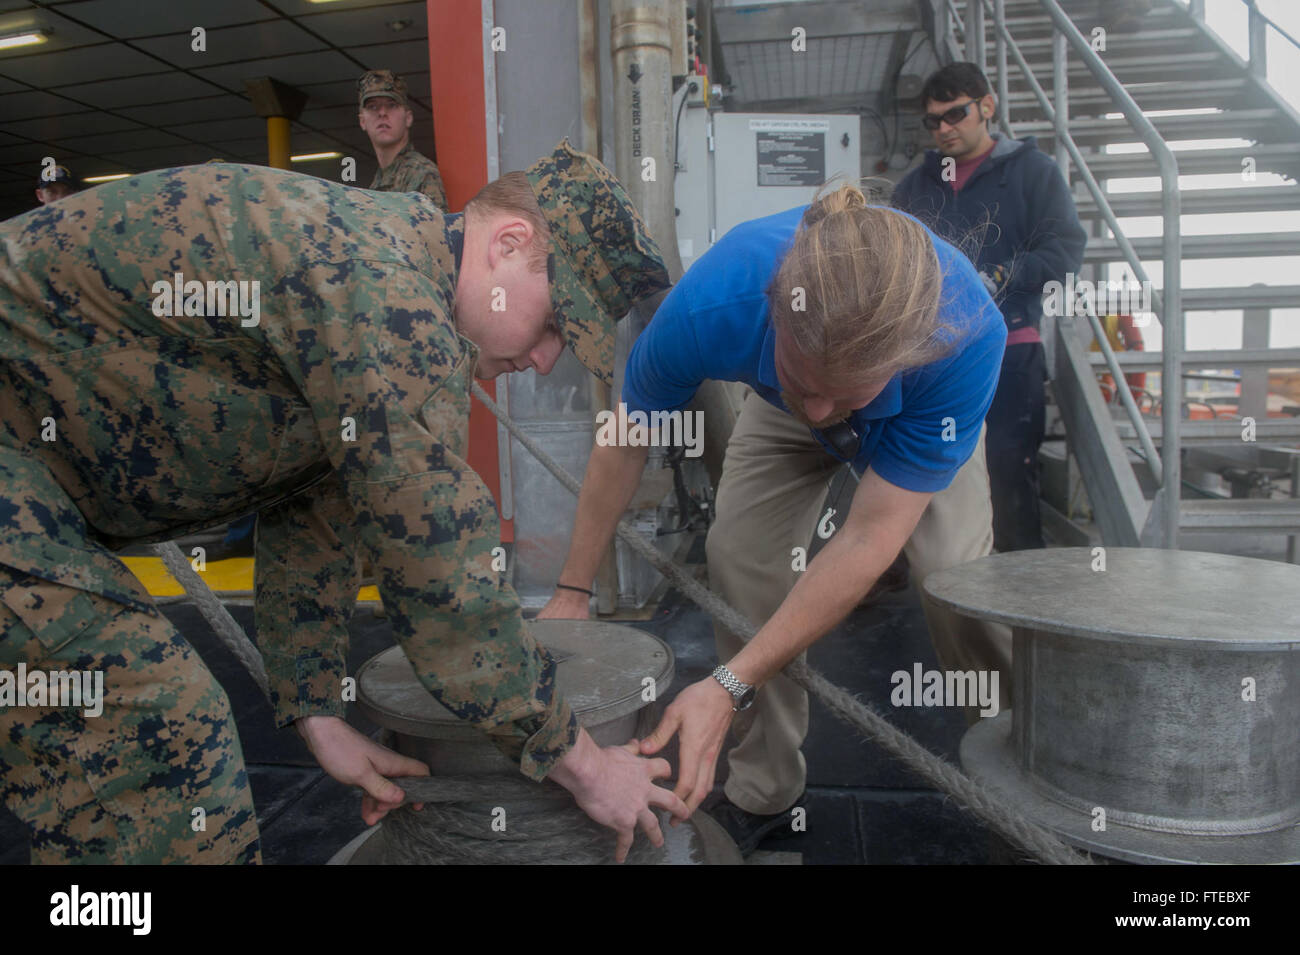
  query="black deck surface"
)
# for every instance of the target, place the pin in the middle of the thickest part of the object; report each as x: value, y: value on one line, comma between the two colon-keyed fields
x: 862, y: 805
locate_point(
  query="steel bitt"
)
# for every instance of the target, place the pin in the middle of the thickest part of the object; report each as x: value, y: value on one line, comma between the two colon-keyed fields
x: 1163, y: 691
x: 608, y: 672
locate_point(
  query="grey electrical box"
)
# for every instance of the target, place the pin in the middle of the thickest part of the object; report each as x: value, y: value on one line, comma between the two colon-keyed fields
x: 733, y: 167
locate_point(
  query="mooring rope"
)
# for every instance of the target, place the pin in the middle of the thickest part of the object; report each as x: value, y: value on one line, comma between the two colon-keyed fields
x: 214, y: 611
x: 1002, y: 818
x: 464, y: 834
x: 496, y: 819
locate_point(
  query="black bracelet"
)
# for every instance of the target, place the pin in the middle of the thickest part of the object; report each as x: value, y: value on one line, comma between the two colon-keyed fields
x: 581, y: 590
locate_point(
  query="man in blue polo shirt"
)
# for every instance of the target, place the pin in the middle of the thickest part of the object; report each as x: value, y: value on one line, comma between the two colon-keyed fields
x: 864, y: 338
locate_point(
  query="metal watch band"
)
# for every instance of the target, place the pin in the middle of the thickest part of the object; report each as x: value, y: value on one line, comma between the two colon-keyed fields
x: 733, y: 686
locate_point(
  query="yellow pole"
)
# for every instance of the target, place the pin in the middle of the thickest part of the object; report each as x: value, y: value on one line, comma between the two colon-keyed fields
x: 277, y: 141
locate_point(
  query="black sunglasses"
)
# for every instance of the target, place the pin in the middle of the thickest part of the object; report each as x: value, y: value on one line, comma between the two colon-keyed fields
x: 952, y: 117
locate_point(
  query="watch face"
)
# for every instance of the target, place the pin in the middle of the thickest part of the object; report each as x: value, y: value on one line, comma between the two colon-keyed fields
x: 746, y: 699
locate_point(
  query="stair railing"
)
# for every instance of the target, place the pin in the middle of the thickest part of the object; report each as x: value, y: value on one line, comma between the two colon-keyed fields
x: 1166, y: 467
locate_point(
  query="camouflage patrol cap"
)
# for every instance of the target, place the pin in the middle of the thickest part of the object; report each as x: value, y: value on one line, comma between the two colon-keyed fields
x: 603, y: 259
x: 381, y: 83
x: 60, y: 174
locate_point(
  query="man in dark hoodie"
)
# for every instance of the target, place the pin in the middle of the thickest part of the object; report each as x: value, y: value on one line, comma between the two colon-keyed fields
x: 1007, y: 206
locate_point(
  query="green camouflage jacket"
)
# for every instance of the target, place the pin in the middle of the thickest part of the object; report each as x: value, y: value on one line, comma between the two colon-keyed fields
x: 411, y: 171
x: 174, y: 406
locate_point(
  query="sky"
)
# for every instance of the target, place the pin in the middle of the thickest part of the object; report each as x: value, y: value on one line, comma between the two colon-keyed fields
x: 1223, y: 329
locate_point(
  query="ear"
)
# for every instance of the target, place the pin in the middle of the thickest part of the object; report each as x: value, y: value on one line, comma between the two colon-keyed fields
x: 509, y: 237
x: 988, y: 106
x: 410, y: 117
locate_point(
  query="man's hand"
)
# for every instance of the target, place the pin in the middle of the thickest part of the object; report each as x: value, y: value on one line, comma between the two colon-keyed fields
x: 702, y: 712
x: 615, y: 787
x: 356, y: 760
x: 566, y: 605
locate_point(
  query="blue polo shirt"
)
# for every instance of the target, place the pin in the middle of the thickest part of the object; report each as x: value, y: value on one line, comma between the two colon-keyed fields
x: 715, y: 324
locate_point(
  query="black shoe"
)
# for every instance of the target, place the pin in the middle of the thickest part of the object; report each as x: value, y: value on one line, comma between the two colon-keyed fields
x: 748, y: 829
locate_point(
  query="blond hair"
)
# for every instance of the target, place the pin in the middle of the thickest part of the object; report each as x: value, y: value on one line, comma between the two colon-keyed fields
x: 859, y: 290
x: 512, y: 195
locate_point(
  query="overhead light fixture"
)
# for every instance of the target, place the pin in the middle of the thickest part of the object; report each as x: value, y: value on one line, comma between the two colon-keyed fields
x: 30, y: 38
x: 322, y: 1
x: 116, y: 175
x: 312, y: 157
x: 397, y: 26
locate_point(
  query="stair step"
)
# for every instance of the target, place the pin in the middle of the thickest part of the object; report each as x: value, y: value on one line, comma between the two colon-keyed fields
x: 1200, y: 246
x: 1182, y: 39
x: 1199, y: 201
x: 1030, y: 21
x: 1255, y: 514
x: 1224, y: 432
x: 1150, y: 96
x: 1251, y: 296
x: 1205, y: 358
x: 1188, y: 67
x: 1075, y: 9
x: 1229, y: 124
x: 1277, y: 157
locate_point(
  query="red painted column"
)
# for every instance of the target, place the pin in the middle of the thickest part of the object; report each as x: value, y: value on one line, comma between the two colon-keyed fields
x: 460, y: 127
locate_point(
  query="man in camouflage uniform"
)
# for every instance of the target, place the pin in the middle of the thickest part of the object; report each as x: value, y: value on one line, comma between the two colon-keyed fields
x: 385, y: 115
x: 135, y: 405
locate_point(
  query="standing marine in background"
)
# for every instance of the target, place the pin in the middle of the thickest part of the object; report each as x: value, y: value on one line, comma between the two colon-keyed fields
x: 385, y: 115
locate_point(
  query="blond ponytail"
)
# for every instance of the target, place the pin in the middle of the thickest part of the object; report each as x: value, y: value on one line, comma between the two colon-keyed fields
x: 859, y: 291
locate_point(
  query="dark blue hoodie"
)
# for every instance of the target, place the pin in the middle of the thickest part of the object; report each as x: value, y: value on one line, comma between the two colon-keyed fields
x: 1015, y: 211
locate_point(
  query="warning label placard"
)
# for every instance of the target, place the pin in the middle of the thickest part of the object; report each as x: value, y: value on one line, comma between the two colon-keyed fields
x: 791, y: 157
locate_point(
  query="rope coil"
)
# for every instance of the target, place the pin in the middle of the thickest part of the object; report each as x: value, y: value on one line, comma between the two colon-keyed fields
x: 453, y: 833
x: 1002, y: 818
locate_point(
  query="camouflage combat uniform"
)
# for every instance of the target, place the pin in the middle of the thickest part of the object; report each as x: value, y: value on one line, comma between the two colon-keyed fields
x: 340, y: 417
x: 410, y: 171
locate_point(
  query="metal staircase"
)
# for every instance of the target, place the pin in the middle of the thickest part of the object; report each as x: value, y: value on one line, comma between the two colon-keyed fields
x: 1077, y: 100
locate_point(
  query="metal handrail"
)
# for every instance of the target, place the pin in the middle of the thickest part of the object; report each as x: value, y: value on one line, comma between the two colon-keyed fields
x: 1171, y: 315
x: 1256, y: 12
x: 1005, y: 42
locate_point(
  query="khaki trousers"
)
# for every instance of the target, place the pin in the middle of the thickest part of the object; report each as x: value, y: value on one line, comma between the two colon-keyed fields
x: 770, y: 500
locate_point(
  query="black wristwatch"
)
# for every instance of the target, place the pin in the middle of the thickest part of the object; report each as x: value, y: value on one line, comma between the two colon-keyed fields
x: 742, y: 694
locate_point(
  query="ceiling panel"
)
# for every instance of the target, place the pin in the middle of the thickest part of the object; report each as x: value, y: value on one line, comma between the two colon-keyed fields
x: 36, y: 103
x: 215, y: 131
x: 24, y: 154
x: 407, y: 57
x: 107, y: 143
x: 138, y: 18
x: 365, y: 26
x: 71, y: 124
x: 289, y: 69
x: 223, y: 106
x: 305, y: 8
x: 142, y: 160
x: 133, y: 90
x: 252, y: 42
x: 84, y: 64
x: 134, y: 96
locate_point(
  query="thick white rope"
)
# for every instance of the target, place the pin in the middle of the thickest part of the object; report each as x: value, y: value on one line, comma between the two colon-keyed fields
x: 1002, y: 818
